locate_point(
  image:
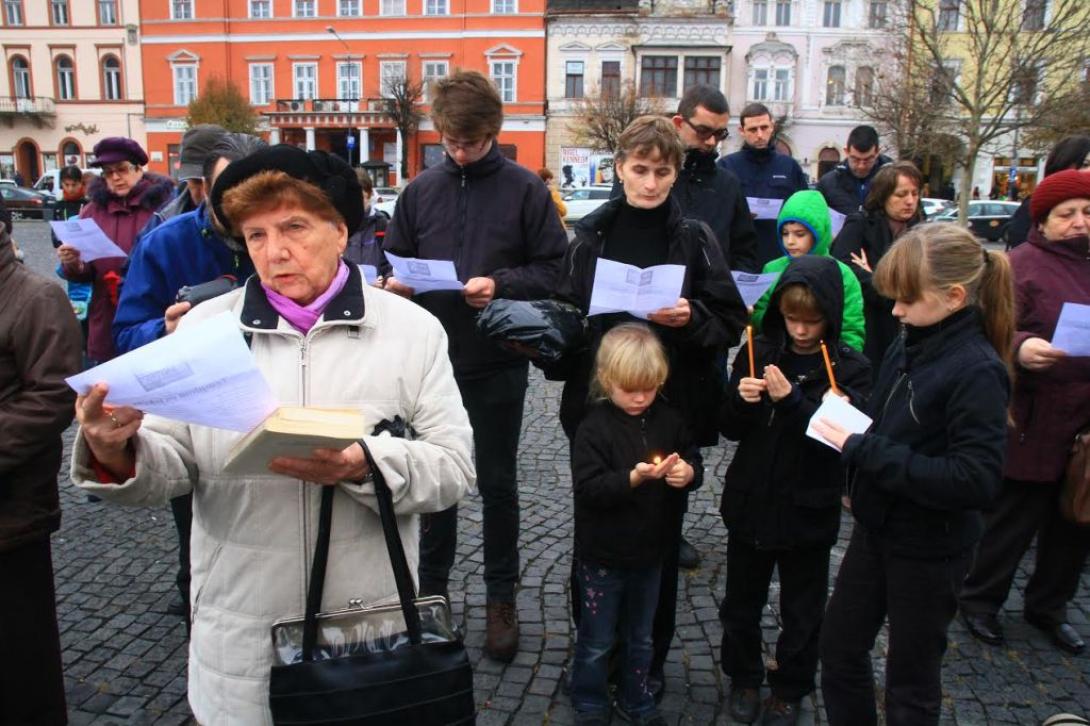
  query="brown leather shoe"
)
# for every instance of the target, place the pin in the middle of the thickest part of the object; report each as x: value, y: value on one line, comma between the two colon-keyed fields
x: 502, y: 637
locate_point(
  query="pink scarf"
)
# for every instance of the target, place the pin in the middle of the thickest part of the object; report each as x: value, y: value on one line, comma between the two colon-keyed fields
x: 303, y: 317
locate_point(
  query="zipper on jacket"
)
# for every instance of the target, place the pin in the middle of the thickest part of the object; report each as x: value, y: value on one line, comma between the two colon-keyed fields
x: 643, y: 432
x: 463, y: 203
x: 304, y: 490
x: 851, y: 481
x: 911, y: 402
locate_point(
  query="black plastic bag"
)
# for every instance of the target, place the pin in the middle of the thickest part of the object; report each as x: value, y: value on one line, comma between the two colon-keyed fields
x: 543, y: 330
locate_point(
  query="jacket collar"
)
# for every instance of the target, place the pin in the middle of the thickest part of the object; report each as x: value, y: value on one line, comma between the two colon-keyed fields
x: 698, y: 161
x: 490, y: 163
x: 1075, y: 248
x: 929, y: 342
x: 347, y: 308
x: 597, y: 224
x: 760, y: 156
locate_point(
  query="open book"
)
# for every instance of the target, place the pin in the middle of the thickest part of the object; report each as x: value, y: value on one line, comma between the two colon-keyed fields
x: 294, y: 431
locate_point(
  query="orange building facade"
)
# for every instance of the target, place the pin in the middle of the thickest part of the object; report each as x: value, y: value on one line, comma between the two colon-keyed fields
x: 318, y: 70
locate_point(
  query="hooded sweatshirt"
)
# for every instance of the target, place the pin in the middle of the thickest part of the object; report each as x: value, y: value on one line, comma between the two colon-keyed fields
x: 809, y: 209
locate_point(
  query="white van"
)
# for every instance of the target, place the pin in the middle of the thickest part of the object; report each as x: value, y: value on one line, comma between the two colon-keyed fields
x: 50, y: 182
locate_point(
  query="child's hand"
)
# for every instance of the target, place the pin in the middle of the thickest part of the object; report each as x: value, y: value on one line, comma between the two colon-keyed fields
x: 861, y: 261
x: 830, y: 392
x: 750, y: 389
x: 643, y: 471
x: 779, y: 387
x: 680, y: 474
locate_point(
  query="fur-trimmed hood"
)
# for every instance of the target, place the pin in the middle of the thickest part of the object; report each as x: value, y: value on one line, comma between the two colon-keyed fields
x: 151, y: 192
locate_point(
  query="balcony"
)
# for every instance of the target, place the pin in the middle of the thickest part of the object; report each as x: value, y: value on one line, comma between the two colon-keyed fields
x: 331, y: 111
x: 39, y: 109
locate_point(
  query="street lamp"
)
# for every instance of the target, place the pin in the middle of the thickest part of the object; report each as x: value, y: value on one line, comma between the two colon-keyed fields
x: 333, y: 31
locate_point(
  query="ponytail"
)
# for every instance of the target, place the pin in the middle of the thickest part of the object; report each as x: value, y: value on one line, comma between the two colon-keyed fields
x: 996, y: 300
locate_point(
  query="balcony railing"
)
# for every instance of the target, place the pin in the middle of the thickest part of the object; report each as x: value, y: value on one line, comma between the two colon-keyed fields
x: 30, y: 106
x: 332, y: 105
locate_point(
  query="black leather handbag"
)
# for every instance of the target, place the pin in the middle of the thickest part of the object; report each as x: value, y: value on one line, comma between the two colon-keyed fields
x: 420, y: 677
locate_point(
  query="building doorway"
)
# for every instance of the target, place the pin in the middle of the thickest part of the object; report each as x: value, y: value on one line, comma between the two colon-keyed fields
x: 26, y: 162
x: 828, y: 158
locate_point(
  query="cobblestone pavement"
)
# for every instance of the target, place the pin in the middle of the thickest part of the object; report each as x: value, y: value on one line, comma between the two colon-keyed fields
x: 125, y: 658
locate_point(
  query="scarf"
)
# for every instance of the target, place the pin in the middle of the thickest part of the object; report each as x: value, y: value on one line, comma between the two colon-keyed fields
x: 303, y: 317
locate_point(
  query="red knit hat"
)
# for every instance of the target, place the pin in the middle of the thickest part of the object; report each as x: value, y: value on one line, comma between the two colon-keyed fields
x: 1056, y: 188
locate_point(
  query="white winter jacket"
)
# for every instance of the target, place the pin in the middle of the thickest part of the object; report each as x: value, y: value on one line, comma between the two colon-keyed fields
x: 253, y: 539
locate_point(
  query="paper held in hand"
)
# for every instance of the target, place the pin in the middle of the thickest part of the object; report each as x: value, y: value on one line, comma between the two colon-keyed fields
x: 751, y: 286
x: 621, y: 288
x: 1072, y: 334
x: 294, y: 431
x: 424, y: 275
x: 842, y: 413
x: 764, y: 208
x: 87, y: 237
x: 836, y: 221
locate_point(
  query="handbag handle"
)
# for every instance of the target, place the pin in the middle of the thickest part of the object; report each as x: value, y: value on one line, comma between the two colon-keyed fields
x: 402, y: 575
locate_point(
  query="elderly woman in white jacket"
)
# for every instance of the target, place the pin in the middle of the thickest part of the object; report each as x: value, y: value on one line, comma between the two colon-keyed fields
x: 322, y: 338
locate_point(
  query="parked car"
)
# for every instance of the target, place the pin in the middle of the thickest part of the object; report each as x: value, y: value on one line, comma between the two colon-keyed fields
x: 584, y: 200
x: 987, y: 219
x: 26, y: 203
x: 50, y: 182
x: 8, y: 183
x: 934, y: 207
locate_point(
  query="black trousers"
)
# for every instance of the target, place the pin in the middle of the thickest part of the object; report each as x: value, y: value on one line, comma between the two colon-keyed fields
x: 31, y: 686
x: 804, y: 584
x: 1025, y: 509
x: 494, y: 405
x: 920, y: 599
x: 182, y: 509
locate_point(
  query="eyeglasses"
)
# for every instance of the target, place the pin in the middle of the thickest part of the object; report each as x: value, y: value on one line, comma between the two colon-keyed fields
x: 705, y: 132
x: 118, y: 169
x: 467, y: 146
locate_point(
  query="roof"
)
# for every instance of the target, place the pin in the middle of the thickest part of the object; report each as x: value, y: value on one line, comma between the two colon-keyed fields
x: 591, y: 6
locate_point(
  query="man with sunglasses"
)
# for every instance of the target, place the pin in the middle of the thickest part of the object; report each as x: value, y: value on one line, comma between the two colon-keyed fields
x: 765, y: 173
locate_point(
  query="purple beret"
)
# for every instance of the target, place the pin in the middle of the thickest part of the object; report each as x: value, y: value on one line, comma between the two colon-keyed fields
x: 118, y: 148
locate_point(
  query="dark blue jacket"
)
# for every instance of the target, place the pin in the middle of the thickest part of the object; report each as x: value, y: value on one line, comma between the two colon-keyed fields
x: 843, y: 190
x: 183, y: 250
x: 766, y: 174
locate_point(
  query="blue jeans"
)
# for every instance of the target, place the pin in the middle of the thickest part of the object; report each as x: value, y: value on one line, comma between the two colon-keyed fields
x: 612, y: 601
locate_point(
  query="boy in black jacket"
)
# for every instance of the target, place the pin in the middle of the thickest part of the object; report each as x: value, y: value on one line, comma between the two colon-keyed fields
x: 781, y: 497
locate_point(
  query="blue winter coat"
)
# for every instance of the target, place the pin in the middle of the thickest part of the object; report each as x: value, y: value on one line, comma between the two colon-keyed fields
x: 183, y: 250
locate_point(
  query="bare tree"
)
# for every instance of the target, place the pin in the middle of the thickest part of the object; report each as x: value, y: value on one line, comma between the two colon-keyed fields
x: 403, y: 98
x: 1073, y: 118
x: 600, y: 118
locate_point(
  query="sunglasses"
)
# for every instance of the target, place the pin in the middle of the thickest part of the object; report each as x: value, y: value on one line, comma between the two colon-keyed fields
x: 705, y: 132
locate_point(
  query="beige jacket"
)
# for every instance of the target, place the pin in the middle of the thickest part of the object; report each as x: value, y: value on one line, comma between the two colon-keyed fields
x: 253, y: 539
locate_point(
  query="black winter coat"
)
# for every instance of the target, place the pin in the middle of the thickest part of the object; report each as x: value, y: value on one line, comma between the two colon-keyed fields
x: 493, y: 218
x: 934, y: 456
x: 843, y: 190
x: 782, y: 489
x: 616, y: 524
x: 364, y: 246
x: 718, y: 317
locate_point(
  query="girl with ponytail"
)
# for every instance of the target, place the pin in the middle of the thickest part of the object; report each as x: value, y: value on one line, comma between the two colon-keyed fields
x: 919, y: 478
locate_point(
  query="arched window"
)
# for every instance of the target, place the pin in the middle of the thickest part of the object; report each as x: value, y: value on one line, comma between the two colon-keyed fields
x: 66, y: 78
x: 834, y: 86
x: 111, y: 78
x: 864, y: 86
x: 20, y: 77
x: 71, y: 153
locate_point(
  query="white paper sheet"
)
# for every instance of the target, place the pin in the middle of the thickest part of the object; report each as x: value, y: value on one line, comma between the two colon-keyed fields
x: 836, y: 219
x: 202, y: 374
x: 840, y: 412
x: 87, y: 237
x: 369, y: 272
x: 752, y: 286
x: 1072, y: 334
x: 764, y: 208
x: 425, y: 275
x: 621, y: 288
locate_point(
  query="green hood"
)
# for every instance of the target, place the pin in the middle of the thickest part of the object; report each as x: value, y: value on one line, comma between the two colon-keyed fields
x: 808, y: 208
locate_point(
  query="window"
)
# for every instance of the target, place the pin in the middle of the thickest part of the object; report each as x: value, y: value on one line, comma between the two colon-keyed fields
x: 834, y: 86
x: 111, y: 78
x: 781, y: 85
x: 504, y: 7
x: 391, y: 7
x: 949, y: 11
x: 390, y: 75
x: 760, y: 12
x: 260, y: 8
x: 185, y: 84
x: 942, y: 83
x: 304, y: 8
x: 431, y: 72
x: 503, y: 75
x: 348, y: 8
x: 783, y: 12
x: 700, y: 71
x: 261, y: 83
x: 71, y: 153
x: 831, y: 17
x: 1033, y: 17
x: 66, y: 78
x: 864, y: 86
x: 760, y: 84
x: 658, y: 76
x: 1024, y: 86
x: 306, y: 80
x: 58, y: 12
x: 349, y: 81
x: 13, y: 12
x: 107, y: 12
x: 879, y: 14
x: 611, y: 78
x: 181, y: 9
x: 435, y: 7
x: 573, y: 79
x: 20, y: 77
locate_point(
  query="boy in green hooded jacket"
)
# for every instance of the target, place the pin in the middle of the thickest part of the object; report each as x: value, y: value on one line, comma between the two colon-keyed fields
x: 804, y: 228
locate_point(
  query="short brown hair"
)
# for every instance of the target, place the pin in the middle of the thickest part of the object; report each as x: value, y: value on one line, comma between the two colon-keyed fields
x: 365, y: 181
x: 546, y: 174
x: 649, y: 134
x: 885, y: 183
x: 467, y: 105
x: 799, y: 300
x: 269, y: 190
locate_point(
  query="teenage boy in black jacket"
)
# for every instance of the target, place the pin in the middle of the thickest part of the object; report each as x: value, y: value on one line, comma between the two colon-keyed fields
x: 781, y: 496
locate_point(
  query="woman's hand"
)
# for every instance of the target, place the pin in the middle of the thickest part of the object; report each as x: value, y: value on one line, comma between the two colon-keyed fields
x: 860, y: 261
x: 107, y: 430
x: 1037, y: 354
x: 643, y: 471
x: 68, y: 255
x: 676, y: 317
x: 832, y: 432
x: 397, y: 288
x: 680, y: 474
x: 779, y: 387
x: 326, y: 466
x: 750, y: 389
x: 479, y: 291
